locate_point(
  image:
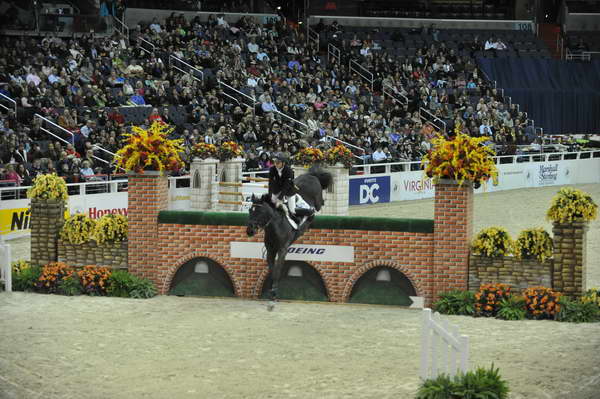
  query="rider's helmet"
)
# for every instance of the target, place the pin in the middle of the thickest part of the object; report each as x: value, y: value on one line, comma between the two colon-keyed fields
x: 280, y: 156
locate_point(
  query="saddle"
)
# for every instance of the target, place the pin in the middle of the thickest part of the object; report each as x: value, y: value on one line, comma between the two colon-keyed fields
x: 303, y: 211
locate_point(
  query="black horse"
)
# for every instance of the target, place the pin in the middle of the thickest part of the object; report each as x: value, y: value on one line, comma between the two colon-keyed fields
x: 279, y: 234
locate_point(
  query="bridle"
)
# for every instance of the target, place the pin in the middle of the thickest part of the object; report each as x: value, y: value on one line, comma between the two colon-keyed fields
x: 261, y: 224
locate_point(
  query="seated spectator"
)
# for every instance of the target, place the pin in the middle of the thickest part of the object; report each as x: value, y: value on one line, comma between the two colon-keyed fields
x: 251, y: 162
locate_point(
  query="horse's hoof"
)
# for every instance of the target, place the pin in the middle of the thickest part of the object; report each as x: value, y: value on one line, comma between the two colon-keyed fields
x: 271, y: 306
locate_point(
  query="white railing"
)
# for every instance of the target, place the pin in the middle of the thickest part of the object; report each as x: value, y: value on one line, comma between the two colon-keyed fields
x: 241, y: 94
x: 10, y: 100
x: 431, y: 118
x: 364, y: 73
x: 443, y: 349
x: 391, y: 92
x: 62, y: 129
x: 312, y: 36
x: 192, y: 69
x: 5, y: 265
x: 121, y: 27
x: 144, y: 41
x: 333, y: 52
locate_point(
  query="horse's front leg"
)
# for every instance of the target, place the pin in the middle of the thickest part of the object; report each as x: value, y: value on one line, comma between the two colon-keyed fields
x: 271, y: 255
x: 277, y: 270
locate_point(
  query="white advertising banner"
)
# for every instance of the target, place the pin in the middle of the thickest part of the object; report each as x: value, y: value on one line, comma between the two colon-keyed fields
x: 323, y: 253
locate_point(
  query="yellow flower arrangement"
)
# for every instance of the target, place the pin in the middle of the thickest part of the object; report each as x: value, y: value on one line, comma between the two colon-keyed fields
x: 229, y: 150
x: 204, y: 150
x: 591, y: 295
x: 463, y: 158
x: 78, y: 229
x: 570, y: 204
x: 150, y: 149
x: 110, y: 228
x: 339, y: 153
x: 492, y: 242
x: 48, y: 187
x: 533, y: 243
x: 308, y: 156
x: 19, y: 265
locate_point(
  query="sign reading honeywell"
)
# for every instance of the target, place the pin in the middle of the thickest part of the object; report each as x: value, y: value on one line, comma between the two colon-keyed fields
x: 324, y: 253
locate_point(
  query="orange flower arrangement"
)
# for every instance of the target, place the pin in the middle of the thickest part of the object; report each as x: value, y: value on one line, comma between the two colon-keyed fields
x: 488, y: 297
x: 463, y: 158
x: 204, y: 150
x: 308, y: 156
x: 542, y: 302
x: 94, y: 279
x: 52, y: 275
x: 229, y: 150
x: 339, y: 153
x: 150, y: 149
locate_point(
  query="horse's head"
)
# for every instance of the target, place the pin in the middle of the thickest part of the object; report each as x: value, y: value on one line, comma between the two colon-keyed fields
x: 259, y: 215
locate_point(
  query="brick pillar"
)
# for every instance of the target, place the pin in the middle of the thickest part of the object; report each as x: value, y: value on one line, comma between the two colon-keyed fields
x: 453, y: 230
x: 148, y: 194
x: 47, y: 219
x: 570, y: 242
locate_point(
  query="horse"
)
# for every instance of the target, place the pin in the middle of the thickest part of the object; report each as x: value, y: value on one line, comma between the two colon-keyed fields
x: 279, y: 234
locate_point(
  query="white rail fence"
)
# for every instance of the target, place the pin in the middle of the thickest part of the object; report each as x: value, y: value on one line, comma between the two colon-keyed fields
x: 5, y: 267
x: 443, y: 348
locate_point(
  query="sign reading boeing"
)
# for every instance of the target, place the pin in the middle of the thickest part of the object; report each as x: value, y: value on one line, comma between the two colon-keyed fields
x: 369, y: 190
x: 323, y: 253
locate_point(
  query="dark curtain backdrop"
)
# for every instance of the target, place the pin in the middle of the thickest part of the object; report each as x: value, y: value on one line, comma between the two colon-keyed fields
x: 562, y: 97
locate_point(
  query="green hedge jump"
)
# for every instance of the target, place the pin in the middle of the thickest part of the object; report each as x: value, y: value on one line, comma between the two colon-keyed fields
x: 320, y: 222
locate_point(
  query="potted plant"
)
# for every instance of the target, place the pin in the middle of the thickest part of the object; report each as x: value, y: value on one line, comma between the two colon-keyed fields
x: 533, y: 243
x: 48, y: 187
x: 339, y: 154
x: 308, y: 157
x: 462, y: 158
x: 204, y: 151
x: 571, y: 204
x: 229, y: 150
x: 150, y: 150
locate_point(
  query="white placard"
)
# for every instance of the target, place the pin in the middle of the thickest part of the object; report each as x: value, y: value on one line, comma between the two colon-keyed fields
x: 324, y: 253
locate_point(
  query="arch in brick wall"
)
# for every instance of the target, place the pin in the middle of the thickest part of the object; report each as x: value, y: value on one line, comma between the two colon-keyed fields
x: 257, y: 290
x: 358, y: 273
x: 170, y: 273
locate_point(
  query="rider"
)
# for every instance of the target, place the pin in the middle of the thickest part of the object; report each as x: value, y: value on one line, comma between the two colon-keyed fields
x: 281, y: 184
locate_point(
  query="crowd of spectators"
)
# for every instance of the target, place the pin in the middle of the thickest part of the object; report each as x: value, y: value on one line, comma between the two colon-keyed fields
x: 287, y: 94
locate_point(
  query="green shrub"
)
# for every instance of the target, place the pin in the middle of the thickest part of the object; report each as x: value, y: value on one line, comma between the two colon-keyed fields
x: 512, y: 308
x: 441, y: 387
x: 577, y: 311
x: 479, y: 384
x: 125, y: 285
x: 482, y: 384
x: 119, y: 284
x: 143, y: 289
x: 456, y: 302
x: 70, y: 286
x: 24, y: 276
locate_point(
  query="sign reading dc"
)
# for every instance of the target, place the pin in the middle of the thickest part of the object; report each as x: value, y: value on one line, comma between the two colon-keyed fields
x: 369, y: 190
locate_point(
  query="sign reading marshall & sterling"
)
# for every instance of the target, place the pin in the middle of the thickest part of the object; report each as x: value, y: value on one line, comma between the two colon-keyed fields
x: 324, y: 253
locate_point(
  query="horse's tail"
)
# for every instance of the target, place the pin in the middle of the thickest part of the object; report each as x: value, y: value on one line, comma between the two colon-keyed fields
x: 324, y: 177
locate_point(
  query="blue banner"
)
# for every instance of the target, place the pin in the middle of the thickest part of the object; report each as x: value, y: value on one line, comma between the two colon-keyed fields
x: 369, y: 190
